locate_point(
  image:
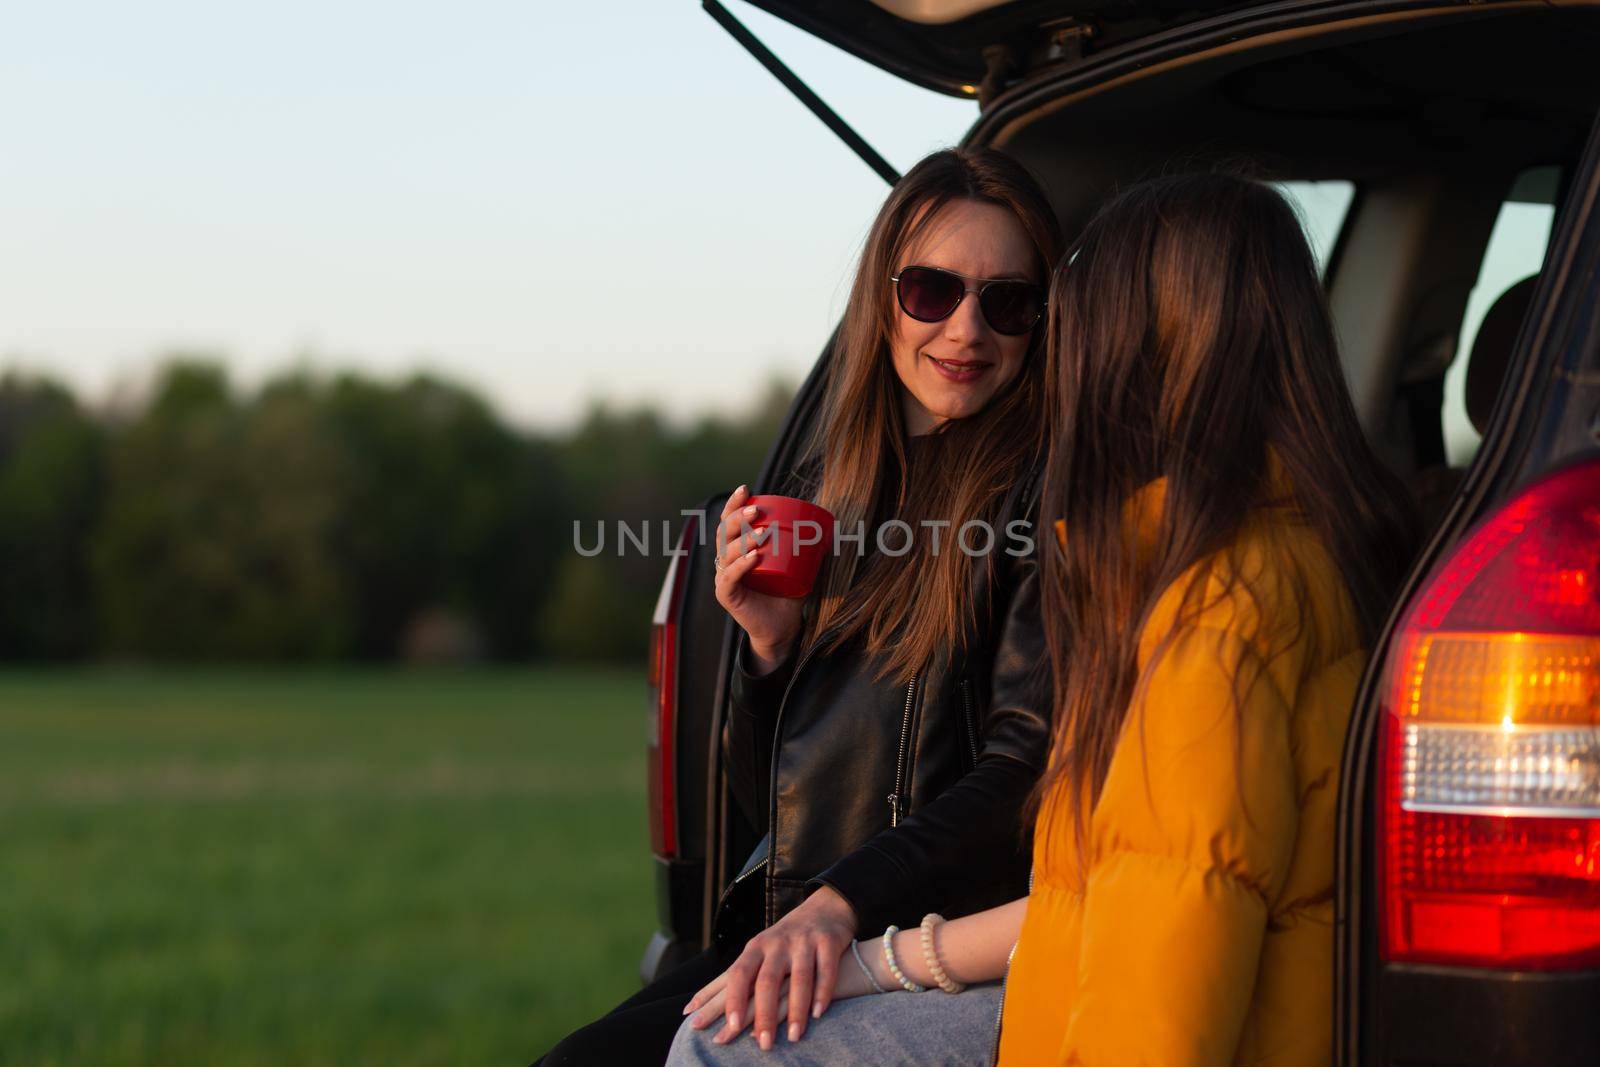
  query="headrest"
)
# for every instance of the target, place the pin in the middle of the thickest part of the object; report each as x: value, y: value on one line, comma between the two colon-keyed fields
x: 1491, y: 350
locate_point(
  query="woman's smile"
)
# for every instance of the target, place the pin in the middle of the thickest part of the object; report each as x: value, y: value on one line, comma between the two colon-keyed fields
x: 959, y: 370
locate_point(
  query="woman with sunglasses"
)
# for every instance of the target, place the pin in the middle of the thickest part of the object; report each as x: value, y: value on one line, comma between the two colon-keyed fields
x: 885, y: 730
x: 1226, y: 546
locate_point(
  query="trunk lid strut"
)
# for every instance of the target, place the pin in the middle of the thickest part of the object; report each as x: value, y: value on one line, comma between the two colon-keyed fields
x: 801, y: 90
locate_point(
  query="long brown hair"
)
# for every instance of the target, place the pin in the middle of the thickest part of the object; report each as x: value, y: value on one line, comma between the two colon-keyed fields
x: 1190, y: 338
x: 907, y: 607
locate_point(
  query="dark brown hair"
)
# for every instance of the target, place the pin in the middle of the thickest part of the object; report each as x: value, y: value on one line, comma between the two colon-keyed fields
x: 907, y: 607
x: 1190, y: 337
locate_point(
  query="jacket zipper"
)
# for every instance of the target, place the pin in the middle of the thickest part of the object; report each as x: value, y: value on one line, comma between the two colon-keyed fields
x: 1000, y: 1012
x: 742, y: 876
x: 758, y: 867
x: 972, y: 724
x: 900, y: 760
x: 728, y: 889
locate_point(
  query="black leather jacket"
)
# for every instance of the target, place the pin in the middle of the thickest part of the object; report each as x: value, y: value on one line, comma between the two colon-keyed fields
x: 906, y: 799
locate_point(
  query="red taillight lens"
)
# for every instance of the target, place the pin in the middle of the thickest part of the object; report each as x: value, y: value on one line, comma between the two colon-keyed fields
x: 661, y: 752
x: 1490, y: 752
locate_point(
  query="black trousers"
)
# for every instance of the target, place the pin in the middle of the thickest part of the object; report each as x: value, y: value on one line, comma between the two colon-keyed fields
x: 640, y: 1029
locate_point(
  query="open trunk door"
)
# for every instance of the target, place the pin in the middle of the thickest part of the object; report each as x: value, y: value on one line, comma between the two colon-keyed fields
x: 966, y: 48
x: 975, y: 48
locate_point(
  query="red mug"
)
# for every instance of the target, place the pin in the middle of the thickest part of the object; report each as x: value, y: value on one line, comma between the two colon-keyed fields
x: 788, y: 559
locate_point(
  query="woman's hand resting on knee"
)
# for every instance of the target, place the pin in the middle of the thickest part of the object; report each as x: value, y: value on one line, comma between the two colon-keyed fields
x: 791, y: 969
x: 804, y: 959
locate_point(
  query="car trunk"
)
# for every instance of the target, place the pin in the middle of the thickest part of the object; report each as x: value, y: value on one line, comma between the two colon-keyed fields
x: 1430, y: 111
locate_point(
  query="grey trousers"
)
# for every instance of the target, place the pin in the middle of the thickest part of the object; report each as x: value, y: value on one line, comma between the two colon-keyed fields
x: 931, y: 1029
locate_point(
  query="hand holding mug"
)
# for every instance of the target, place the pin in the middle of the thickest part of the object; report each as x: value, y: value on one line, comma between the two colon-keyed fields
x: 772, y: 622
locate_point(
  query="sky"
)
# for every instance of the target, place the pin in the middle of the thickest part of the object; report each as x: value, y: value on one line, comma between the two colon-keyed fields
x: 553, y: 203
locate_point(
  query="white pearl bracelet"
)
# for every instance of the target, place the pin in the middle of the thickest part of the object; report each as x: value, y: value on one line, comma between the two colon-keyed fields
x: 894, y: 968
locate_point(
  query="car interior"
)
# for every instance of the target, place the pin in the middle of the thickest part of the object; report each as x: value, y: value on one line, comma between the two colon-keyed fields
x: 1418, y: 144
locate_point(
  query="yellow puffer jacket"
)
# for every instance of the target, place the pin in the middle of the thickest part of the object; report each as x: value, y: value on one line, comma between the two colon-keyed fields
x: 1200, y: 930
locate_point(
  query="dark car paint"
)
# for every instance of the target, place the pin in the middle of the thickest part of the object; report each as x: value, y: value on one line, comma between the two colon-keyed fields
x: 1226, y: 25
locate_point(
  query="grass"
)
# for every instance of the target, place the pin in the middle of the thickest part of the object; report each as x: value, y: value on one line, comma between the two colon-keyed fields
x: 316, y: 868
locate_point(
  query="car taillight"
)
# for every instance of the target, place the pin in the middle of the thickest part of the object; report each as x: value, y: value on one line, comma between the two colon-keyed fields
x: 661, y: 753
x: 1490, y: 753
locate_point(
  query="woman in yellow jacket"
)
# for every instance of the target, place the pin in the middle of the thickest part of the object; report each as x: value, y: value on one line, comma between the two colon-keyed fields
x: 1227, y: 545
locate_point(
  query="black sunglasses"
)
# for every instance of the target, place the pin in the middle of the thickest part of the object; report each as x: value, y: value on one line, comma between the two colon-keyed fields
x: 932, y: 294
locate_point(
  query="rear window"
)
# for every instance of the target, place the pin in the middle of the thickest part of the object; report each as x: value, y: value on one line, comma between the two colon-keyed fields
x: 1322, y: 207
x: 1515, y: 251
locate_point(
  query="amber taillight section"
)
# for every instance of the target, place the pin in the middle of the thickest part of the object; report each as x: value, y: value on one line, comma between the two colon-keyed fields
x: 1490, y: 753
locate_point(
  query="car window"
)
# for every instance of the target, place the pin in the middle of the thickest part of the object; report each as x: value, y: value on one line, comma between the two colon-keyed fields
x: 1515, y: 250
x: 1322, y: 207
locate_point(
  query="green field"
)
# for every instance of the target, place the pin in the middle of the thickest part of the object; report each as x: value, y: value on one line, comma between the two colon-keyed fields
x: 316, y: 868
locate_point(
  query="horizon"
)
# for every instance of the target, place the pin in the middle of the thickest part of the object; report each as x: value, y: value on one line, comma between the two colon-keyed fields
x: 131, y: 395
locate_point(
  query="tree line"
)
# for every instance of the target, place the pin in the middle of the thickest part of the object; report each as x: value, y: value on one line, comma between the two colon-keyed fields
x: 337, y: 517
